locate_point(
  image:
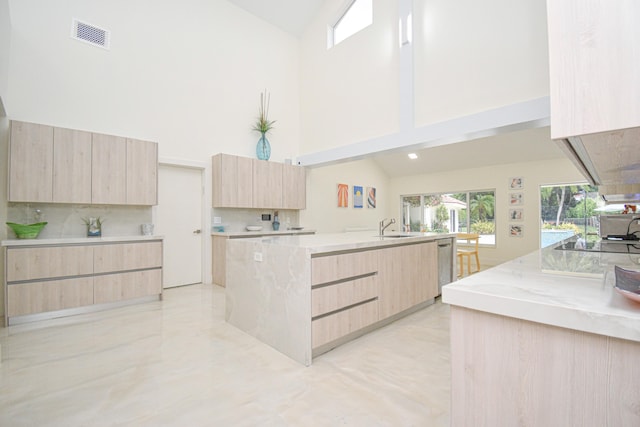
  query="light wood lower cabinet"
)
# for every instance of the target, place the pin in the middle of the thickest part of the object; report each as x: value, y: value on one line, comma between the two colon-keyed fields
x: 127, y: 256
x: 408, y: 276
x: 48, y: 262
x: 124, y: 286
x: 335, y: 326
x: 42, y: 279
x: 354, y: 290
x: 38, y: 297
x: 344, y: 295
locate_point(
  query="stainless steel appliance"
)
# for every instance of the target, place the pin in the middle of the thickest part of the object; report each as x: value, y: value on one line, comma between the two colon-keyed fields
x: 445, y: 263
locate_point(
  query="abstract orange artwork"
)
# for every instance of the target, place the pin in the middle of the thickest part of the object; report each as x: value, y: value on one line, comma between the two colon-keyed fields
x: 343, y: 195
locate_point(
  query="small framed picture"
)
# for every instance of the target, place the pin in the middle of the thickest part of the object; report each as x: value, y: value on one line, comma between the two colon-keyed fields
x: 515, y: 230
x: 343, y: 195
x: 516, y: 199
x: 516, y: 183
x: 371, y: 197
x: 357, y: 197
x: 516, y: 215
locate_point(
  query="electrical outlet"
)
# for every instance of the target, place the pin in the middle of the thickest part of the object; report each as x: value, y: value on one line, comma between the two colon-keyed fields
x: 257, y: 256
x: 217, y: 220
x: 266, y: 217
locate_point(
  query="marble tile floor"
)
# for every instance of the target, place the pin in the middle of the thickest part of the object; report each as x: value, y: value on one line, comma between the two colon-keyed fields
x: 177, y: 363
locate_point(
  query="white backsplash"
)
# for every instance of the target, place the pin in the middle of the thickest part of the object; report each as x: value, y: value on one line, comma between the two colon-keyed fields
x: 238, y: 219
x: 67, y: 220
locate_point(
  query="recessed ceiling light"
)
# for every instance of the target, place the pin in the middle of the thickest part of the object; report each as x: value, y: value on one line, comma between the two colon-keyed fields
x: 413, y: 156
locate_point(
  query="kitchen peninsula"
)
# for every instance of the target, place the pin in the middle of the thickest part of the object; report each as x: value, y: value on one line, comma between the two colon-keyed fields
x: 545, y: 340
x: 304, y: 295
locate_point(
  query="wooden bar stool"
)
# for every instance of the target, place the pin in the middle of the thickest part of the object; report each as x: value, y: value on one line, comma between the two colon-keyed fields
x: 470, y: 248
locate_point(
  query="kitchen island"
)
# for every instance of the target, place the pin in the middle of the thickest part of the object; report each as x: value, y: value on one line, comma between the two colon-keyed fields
x: 304, y: 295
x: 545, y: 340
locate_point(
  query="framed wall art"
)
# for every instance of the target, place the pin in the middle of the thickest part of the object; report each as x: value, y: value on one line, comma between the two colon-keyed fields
x: 371, y: 197
x: 515, y: 230
x: 343, y: 195
x: 516, y: 199
x: 516, y: 215
x: 357, y: 197
x: 516, y: 183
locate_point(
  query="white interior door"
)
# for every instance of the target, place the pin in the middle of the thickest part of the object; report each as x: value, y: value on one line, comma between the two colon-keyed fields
x: 179, y: 220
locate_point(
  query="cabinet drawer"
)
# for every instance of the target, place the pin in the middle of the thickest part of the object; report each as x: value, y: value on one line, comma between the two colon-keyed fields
x: 127, y: 256
x: 337, y: 267
x: 334, y: 297
x: 124, y: 286
x: 49, y: 262
x: 38, y: 297
x: 329, y: 328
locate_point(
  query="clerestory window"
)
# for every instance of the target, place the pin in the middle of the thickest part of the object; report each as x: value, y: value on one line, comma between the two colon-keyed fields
x: 357, y: 16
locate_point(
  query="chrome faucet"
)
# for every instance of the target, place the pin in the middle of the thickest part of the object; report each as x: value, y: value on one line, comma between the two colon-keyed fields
x: 384, y: 227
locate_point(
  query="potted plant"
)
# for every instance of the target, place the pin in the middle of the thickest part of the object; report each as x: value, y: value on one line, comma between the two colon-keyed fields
x: 263, y: 125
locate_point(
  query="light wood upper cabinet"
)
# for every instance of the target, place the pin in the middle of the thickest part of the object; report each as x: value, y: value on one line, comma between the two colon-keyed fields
x: 109, y: 170
x: 71, y: 166
x: 594, y: 66
x: 56, y: 165
x: 294, y: 187
x: 30, y: 163
x: 142, y: 172
x: 241, y: 182
x: 267, y: 184
x: 232, y: 181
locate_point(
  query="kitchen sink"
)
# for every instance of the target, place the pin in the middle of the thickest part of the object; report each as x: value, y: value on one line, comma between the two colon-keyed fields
x: 393, y: 236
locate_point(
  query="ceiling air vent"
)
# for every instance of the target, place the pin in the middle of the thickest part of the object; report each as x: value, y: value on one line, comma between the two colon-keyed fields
x: 90, y: 34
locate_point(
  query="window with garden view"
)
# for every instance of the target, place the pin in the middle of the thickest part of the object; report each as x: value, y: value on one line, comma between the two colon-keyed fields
x: 466, y: 212
x: 567, y: 210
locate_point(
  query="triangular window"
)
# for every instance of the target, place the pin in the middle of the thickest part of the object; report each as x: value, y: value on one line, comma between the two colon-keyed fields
x: 357, y: 16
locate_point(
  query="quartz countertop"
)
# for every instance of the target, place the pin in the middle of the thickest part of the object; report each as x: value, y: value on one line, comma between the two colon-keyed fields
x: 338, y: 242
x: 568, y: 289
x: 76, y: 240
x: 263, y: 232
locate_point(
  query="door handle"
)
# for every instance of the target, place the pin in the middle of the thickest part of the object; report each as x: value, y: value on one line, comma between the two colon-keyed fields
x: 197, y: 231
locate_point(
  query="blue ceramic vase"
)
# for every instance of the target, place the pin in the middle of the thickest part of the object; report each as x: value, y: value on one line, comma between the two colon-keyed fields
x: 263, y: 149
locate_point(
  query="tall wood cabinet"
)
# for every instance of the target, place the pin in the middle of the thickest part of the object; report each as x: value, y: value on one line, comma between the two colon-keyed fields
x: 232, y: 181
x: 594, y: 66
x: 71, y: 166
x: 109, y: 170
x: 142, y: 172
x: 30, y: 162
x: 241, y: 182
x: 267, y: 184
x: 57, y: 165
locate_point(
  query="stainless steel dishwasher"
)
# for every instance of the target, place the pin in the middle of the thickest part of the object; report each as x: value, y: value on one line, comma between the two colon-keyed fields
x: 445, y: 263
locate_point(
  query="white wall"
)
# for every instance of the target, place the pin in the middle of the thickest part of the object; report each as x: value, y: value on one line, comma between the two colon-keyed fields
x: 472, y: 56
x: 186, y: 74
x: 349, y: 92
x: 535, y: 174
x: 5, y: 44
x: 468, y: 57
x: 4, y: 151
x: 322, y: 212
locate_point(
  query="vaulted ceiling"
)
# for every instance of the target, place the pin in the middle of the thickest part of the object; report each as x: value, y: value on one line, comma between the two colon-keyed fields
x: 293, y: 16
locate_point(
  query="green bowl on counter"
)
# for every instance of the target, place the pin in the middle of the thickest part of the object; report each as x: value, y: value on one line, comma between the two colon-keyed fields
x: 26, y: 231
